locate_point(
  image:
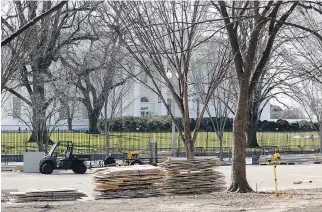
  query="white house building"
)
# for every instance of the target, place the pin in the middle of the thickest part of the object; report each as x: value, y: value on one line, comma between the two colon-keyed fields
x: 139, y: 101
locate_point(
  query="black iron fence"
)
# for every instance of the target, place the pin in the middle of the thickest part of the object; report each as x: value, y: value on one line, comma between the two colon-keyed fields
x: 15, y: 142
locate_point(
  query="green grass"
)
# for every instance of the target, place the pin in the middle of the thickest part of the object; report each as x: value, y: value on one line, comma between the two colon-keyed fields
x: 16, y: 143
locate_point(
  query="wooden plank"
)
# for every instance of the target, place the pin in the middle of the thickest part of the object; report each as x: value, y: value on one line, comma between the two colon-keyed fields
x: 127, y: 182
x: 61, y: 194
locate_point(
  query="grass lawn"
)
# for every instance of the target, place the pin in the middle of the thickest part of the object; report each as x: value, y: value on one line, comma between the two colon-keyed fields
x: 16, y: 143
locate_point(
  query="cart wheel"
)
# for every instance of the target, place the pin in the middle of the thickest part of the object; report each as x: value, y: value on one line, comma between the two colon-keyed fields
x: 47, y: 169
x: 80, y: 169
x: 109, y: 161
x: 40, y: 168
x: 136, y: 162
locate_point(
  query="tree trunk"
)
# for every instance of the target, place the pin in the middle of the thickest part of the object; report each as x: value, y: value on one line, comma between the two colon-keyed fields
x: 188, y: 142
x: 189, y: 147
x: 93, y: 122
x: 70, y: 123
x: 220, y: 136
x: 39, y: 133
x: 252, y: 133
x: 39, y: 129
x: 252, y: 137
x: 41, y: 138
x: 252, y: 125
x: 107, y: 143
x: 69, y: 117
x: 320, y: 135
x: 238, y: 175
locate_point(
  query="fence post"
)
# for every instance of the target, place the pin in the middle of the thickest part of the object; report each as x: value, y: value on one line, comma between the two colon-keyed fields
x: 154, y: 152
x: 139, y: 140
x: 207, y: 141
x: 26, y: 140
x: 287, y: 141
x: 89, y: 142
x: 178, y: 145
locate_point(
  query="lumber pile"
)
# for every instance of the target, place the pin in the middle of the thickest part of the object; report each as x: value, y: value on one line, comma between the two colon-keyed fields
x: 34, y: 195
x: 4, y: 197
x: 191, y: 176
x: 127, y: 181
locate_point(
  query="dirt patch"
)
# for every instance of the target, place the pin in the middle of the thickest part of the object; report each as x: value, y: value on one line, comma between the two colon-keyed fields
x: 302, y: 200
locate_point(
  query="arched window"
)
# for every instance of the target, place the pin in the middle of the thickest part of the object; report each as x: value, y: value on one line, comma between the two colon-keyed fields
x: 144, y: 99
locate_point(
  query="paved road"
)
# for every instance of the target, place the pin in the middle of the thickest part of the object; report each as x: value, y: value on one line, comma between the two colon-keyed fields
x: 298, y: 158
x: 258, y: 176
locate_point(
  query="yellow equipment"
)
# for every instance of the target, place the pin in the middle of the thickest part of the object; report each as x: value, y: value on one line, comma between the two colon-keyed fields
x: 277, y: 194
x: 133, y: 155
x: 273, y: 158
x: 131, y: 158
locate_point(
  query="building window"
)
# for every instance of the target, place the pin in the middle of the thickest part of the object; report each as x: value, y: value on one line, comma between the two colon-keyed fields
x: 145, y: 111
x: 144, y: 99
x: 16, y: 108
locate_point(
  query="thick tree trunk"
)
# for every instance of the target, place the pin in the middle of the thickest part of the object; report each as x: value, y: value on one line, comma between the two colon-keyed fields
x: 93, y: 122
x: 239, y: 181
x: 252, y: 133
x: 70, y: 123
x: 189, y: 147
x: 69, y: 118
x: 39, y: 129
x: 41, y: 138
x: 252, y: 125
x: 252, y: 137
x: 189, y: 144
x: 39, y: 133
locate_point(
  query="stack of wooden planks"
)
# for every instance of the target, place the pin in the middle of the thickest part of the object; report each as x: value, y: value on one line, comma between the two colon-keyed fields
x: 191, y: 176
x: 127, y: 181
x: 34, y: 195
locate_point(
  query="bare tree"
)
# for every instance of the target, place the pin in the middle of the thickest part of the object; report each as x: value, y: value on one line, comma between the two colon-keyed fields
x: 96, y: 73
x: 245, y: 36
x: 67, y: 95
x: 13, y: 55
x: 32, y: 22
x: 50, y: 35
x: 271, y: 84
x: 305, y: 57
x: 162, y: 37
x: 309, y: 95
x: 222, y: 100
x: 113, y: 109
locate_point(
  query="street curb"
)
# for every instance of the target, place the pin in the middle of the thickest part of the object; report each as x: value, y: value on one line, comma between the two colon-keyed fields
x: 290, y: 163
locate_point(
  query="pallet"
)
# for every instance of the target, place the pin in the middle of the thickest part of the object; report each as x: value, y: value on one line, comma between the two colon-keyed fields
x: 35, y: 195
x: 127, y: 181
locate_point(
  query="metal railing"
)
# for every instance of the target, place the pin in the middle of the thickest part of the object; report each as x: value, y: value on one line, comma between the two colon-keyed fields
x: 15, y: 142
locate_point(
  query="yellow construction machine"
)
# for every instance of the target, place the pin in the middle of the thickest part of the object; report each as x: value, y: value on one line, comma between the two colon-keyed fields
x: 130, y: 158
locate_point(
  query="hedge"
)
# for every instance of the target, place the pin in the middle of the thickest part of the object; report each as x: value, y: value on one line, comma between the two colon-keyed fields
x: 163, y: 124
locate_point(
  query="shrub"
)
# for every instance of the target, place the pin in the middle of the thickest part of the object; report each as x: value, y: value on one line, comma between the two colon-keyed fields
x: 163, y: 124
